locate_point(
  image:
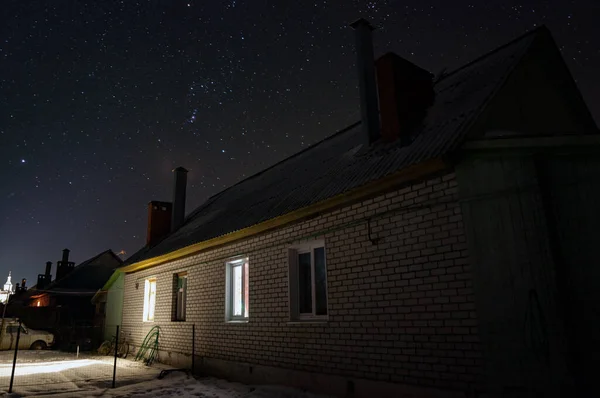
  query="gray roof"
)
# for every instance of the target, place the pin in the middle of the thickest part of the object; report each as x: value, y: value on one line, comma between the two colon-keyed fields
x: 336, y: 164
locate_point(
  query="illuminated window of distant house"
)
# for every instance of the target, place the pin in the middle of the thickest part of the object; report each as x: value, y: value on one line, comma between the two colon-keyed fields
x: 237, y: 290
x: 308, y: 282
x: 179, y: 296
x: 149, y: 299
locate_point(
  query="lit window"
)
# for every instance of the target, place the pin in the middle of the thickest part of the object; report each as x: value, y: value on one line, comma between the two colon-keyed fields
x: 308, y: 282
x: 149, y: 299
x: 237, y: 290
x: 180, y: 296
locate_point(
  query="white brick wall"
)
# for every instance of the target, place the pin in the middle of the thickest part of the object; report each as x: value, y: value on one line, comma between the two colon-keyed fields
x: 399, y: 311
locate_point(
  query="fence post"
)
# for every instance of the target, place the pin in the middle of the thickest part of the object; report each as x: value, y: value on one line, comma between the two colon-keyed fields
x: 116, y: 350
x: 12, y: 374
x: 193, y: 346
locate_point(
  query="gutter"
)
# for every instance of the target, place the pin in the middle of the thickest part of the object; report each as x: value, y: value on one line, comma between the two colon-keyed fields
x: 366, y: 191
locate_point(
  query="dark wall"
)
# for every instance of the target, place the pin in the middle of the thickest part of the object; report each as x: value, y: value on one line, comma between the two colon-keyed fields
x: 517, y: 297
x: 574, y: 181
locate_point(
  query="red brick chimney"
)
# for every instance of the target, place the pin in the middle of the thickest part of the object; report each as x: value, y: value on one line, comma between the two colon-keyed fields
x: 159, y: 221
x: 405, y: 93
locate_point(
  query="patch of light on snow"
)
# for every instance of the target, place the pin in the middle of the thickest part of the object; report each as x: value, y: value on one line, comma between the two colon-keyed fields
x: 45, y: 367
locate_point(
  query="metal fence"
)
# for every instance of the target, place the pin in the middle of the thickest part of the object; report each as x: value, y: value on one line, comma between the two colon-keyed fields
x: 72, y: 360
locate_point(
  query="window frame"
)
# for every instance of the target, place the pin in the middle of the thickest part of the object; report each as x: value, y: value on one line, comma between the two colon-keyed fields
x: 244, y: 262
x: 175, y: 312
x: 147, y: 288
x: 294, y: 281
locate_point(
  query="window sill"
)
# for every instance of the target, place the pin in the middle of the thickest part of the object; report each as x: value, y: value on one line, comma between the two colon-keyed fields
x: 236, y: 321
x: 308, y: 321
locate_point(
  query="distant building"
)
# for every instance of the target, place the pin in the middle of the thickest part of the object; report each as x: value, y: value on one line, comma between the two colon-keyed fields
x: 62, y: 304
x: 7, y: 290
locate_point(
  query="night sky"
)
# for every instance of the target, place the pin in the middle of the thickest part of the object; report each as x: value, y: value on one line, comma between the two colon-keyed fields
x: 100, y: 100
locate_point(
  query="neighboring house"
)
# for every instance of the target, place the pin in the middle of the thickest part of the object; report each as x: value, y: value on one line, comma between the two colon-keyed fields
x: 65, y: 303
x: 109, y: 305
x: 445, y: 245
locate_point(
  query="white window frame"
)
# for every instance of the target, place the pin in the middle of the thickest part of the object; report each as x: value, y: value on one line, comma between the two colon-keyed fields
x: 293, y: 282
x: 229, y: 290
x: 147, y: 286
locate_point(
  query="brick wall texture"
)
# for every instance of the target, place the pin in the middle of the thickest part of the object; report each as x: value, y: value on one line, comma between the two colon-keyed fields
x: 401, y: 310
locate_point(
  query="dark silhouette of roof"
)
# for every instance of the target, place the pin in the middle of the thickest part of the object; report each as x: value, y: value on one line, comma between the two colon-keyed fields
x: 87, y: 277
x: 336, y: 164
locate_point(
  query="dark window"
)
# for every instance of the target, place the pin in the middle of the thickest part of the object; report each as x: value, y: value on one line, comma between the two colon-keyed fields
x: 320, y: 281
x: 180, y: 296
x: 304, y: 284
x: 308, y: 282
x: 12, y: 329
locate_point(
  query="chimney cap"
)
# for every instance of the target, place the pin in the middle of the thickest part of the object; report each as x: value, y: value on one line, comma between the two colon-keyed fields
x: 181, y: 169
x: 66, y: 250
x: 361, y: 22
x: 160, y: 203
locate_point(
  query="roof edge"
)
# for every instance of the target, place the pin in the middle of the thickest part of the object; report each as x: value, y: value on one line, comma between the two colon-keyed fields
x: 258, y: 173
x: 113, y: 278
x: 370, y: 189
x: 536, y: 30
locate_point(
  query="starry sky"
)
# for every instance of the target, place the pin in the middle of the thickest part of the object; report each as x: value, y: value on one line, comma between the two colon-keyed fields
x: 100, y: 100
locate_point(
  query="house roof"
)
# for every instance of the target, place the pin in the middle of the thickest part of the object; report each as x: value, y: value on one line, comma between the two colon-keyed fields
x: 337, y: 165
x: 87, y: 277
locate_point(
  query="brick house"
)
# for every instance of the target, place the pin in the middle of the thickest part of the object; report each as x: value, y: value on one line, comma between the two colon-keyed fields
x: 431, y: 249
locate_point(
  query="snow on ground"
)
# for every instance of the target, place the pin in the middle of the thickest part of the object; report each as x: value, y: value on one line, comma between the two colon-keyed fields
x: 44, y: 372
x: 180, y: 385
x: 62, y: 375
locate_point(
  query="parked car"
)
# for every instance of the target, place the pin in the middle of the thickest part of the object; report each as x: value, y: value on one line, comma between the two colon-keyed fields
x: 30, y: 339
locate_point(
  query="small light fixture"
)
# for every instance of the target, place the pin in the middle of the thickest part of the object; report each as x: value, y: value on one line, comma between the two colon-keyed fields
x: 137, y: 285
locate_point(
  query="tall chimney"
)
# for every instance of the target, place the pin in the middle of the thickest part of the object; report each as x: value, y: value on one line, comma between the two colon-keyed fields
x: 23, y: 281
x: 179, y: 189
x: 159, y: 221
x: 365, y: 63
x: 48, y: 269
x: 63, y: 267
x: 65, y: 256
x: 405, y: 94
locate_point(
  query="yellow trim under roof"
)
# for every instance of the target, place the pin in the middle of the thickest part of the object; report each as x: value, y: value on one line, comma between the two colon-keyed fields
x: 373, y: 188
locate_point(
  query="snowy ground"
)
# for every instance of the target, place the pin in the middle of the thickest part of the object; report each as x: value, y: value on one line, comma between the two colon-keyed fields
x: 45, y: 372
x: 61, y: 375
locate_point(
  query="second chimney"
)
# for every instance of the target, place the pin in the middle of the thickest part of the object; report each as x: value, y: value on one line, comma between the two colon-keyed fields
x: 48, y: 270
x: 179, y: 192
x: 64, y: 266
x: 65, y: 256
x: 365, y: 63
x: 405, y: 94
x: 159, y: 221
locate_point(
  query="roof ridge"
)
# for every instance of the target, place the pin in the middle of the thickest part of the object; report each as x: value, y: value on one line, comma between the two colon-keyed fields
x: 492, y: 52
x: 76, y: 268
